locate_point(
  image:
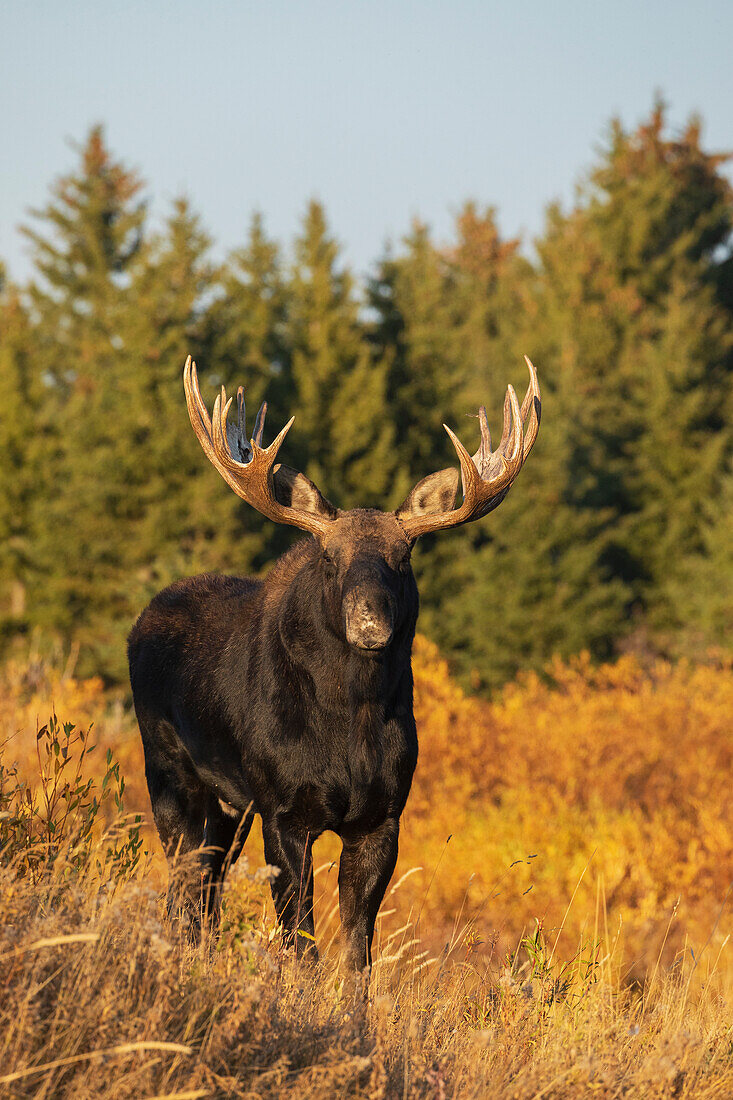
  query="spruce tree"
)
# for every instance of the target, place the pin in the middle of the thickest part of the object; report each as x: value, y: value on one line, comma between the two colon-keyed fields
x: 343, y: 423
x: 89, y: 235
x: 533, y: 579
x: 701, y: 590
x: 21, y: 459
x: 664, y: 212
x: 415, y: 334
x: 618, y: 520
x: 247, y: 345
x: 181, y: 519
x: 246, y: 323
x: 488, y: 280
x: 661, y: 214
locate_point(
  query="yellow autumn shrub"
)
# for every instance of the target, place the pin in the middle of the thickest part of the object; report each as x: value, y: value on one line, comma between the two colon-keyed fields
x: 614, y: 780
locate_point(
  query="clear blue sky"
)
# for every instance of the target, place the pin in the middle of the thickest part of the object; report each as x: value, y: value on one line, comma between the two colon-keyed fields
x: 383, y: 110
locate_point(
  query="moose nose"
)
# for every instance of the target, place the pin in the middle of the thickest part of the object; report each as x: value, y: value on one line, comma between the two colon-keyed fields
x: 368, y: 620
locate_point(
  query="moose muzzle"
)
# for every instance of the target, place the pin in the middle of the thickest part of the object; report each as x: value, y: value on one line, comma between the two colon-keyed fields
x: 368, y: 618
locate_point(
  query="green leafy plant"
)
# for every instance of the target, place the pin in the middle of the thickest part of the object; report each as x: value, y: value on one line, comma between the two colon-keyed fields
x: 61, y: 816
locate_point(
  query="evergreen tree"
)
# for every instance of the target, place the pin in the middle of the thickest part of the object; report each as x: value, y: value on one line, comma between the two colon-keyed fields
x: 702, y: 590
x: 246, y: 338
x: 91, y: 232
x: 343, y: 423
x: 676, y: 467
x: 621, y: 517
x: 664, y: 213
x: 247, y: 323
x: 683, y: 197
x: 633, y: 288
x: 21, y: 458
x: 538, y: 569
x: 415, y: 334
x: 180, y: 519
x: 531, y: 580
x: 489, y: 282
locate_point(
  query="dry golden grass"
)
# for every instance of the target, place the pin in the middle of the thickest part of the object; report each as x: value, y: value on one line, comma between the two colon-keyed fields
x: 100, y: 999
x: 610, y: 785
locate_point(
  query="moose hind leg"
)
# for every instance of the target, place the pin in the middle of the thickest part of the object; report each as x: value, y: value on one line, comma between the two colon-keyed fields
x: 201, y: 843
x: 225, y: 833
x: 366, y: 866
x: 291, y: 852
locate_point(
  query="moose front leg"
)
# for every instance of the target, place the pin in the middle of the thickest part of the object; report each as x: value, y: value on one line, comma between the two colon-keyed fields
x: 292, y: 889
x: 367, y: 863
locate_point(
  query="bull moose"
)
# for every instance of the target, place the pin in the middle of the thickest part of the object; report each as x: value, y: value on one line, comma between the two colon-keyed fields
x: 291, y: 697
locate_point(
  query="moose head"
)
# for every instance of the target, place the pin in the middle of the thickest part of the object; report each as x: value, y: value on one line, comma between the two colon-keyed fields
x: 364, y: 563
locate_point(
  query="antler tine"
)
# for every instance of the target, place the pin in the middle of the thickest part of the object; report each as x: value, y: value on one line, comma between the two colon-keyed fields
x: 488, y: 476
x: 219, y: 422
x: 241, y: 412
x: 193, y: 394
x: 510, y: 449
x: 483, y: 455
x: 507, y: 426
x: 532, y: 404
x: 197, y: 410
x: 237, y: 435
x: 260, y: 424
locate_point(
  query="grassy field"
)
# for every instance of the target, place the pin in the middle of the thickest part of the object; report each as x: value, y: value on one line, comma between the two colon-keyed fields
x: 558, y: 925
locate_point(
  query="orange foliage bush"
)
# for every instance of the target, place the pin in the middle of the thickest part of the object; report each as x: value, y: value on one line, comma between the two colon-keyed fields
x: 608, y: 787
x: 617, y: 778
x: 34, y: 688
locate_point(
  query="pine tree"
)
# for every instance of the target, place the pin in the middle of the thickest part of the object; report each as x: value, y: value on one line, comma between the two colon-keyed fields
x: 683, y: 197
x: 489, y: 282
x: 343, y: 423
x: 662, y: 213
x: 534, y: 578
x: 21, y: 458
x: 247, y: 321
x: 91, y: 232
x: 619, y: 518
x: 676, y: 466
x: 247, y: 345
x: 181, y: 520
x: 702, y: 591
x: 415, y: 334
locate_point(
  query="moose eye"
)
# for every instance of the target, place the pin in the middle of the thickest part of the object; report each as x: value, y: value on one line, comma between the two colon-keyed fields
x: 327, y: 559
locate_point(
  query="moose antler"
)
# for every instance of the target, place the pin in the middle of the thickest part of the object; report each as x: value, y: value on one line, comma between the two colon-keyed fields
x: 488, y: 475
x: 250, y: 474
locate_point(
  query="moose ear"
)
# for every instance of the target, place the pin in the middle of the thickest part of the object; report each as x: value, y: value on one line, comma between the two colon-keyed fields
x: 436, y: 493
x: 295, y: 490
